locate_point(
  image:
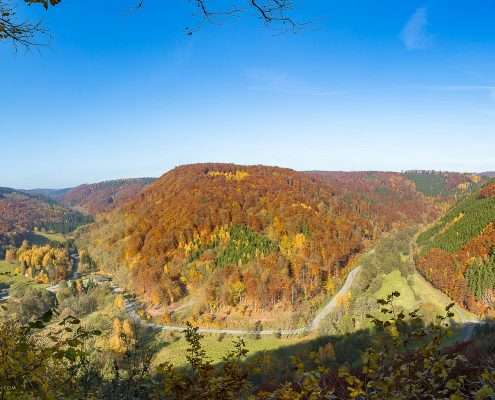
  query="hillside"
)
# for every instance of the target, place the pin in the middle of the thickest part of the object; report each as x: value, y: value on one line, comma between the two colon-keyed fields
x: 444, y: 184
x: 232, y: 237
x: 53, y: 194
x: 389, y: 267
x: 392, y: 198
x: 239, y: 258
x: 21, y: 213
x: 103, y: 196
x: 458, y: 252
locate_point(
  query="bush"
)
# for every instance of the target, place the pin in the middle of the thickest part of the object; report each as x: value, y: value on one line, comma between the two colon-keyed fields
x: 80, y: 303
x: 29, y: 303
x: 404, y: 360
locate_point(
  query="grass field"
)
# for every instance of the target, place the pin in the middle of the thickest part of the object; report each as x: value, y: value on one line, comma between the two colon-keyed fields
x: 394, y: 281
x: 416, y: 292
x: 174, y: 348
x: 8, y: 275
x: 52, y: 237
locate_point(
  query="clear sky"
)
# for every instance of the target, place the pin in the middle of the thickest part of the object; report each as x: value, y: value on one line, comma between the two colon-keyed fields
x: 367, y: 85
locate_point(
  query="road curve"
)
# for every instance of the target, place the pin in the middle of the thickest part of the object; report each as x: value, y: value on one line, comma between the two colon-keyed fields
x: 313, y: 326
x: 333, y: 303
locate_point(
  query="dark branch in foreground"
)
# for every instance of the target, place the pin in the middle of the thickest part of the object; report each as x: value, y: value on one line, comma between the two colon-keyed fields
x: 25, y: 33
x: 20, y: 33
x: 268, y: 10
x: 275, y: 11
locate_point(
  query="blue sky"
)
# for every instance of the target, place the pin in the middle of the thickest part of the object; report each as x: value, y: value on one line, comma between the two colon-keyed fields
x: 367, y: 85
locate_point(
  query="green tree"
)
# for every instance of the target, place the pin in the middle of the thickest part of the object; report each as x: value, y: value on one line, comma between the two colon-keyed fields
x: 481, y: 277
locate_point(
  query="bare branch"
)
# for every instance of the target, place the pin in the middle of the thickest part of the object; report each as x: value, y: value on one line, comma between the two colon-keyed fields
x: 20, y: 33
x: 275, y: 10
x: 25, y: 33
x: 270, y: 11
x: 207, y: 13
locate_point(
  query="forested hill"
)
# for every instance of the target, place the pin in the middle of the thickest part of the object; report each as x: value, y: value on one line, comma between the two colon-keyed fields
x: 393, y: 187
x: 458, y: 252
x: 103, y: 196
x: 241, y: 234
x: 445, y: 184
x: 21, y: 212
x: 391, y: 197
x: 53, y: 194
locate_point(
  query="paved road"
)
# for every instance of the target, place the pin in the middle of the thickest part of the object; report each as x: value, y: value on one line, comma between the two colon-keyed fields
x: 469, y: 328
x: 4, y: 295
x: 332, y: 304
x: 132, y: 305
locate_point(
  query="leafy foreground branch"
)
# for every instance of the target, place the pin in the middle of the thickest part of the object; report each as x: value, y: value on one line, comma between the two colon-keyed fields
x: 406, y: 361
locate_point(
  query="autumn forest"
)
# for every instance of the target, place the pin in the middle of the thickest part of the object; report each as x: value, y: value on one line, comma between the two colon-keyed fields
x: 247, y: 200
x: 243, y: 250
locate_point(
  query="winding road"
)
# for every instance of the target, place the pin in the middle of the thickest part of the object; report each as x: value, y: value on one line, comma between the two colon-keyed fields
x: 132, y: 305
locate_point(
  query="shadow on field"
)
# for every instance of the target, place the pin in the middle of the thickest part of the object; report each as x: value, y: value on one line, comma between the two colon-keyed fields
x: 267, y: 369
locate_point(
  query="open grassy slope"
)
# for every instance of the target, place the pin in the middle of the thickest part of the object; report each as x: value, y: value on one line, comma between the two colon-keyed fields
x: 52, y: 237
x: 174, y: 347
x: 9, y: 276
x: 416, y: 292
x: 389, y: 268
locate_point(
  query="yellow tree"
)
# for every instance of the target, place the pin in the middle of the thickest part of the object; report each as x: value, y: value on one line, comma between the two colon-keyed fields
x: 119, y: 302
x: 116, y: 342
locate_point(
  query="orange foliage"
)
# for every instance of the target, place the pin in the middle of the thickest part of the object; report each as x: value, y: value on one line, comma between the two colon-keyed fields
x: 104, y: 196
x: 171, y: 235
x: 488, y: 191
x: 480, y: 246
x: 390, y: 198
x: 20, y: 211
x: 446, y: 270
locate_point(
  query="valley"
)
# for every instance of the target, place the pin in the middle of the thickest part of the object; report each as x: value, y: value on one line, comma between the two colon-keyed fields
x: 247, y: 200
x: 296, y: 265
